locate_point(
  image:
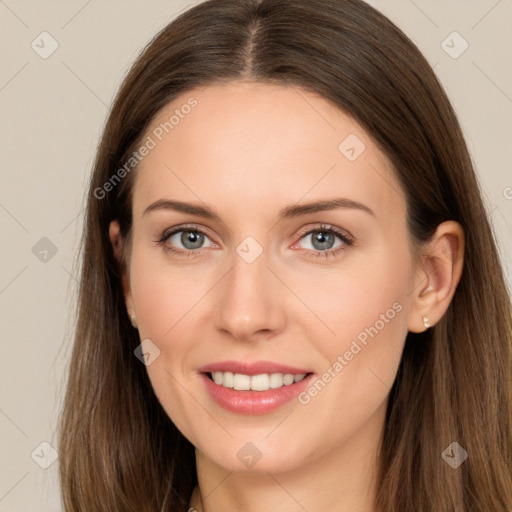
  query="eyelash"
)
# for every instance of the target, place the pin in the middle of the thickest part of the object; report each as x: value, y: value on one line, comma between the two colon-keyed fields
x: 330, y: 253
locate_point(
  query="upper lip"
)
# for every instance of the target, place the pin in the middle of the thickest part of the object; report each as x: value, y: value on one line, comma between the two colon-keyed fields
x: 251, y: 368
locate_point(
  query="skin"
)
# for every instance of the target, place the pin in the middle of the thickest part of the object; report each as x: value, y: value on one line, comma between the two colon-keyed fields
x: 247, y: 150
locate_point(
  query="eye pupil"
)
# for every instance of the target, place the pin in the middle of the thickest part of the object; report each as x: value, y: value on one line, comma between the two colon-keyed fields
x: 323, y: 238
x: 193, y: 237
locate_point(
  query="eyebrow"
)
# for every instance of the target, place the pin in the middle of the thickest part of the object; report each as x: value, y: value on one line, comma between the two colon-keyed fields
x: 288, y: 212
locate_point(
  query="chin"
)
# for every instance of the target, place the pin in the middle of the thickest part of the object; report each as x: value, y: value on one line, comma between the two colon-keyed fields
x: 260, y: 458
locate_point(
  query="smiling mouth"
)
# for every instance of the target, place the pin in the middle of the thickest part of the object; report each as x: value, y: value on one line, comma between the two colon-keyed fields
x: 261, y: 382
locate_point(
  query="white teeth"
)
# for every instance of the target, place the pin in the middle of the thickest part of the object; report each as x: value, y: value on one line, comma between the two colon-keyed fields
x: 228, y: 380
x: 288, y: 379
x: 261, y: 382
x: 276, y: 380
x: 241, y: 382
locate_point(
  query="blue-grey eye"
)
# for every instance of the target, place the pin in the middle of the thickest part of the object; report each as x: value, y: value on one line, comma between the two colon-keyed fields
x: 188, y: 238
x: 321, y: 240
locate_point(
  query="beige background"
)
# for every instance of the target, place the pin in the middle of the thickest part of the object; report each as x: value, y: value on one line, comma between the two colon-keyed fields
x: 52, y: 112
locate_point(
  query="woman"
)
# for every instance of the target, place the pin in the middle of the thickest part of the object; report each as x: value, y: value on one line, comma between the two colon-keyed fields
x: 291, y: 295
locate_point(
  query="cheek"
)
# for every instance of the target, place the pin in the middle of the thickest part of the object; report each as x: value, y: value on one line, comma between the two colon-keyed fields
x: 366, y: 310
x: 160, y: 301
x: 351, y: 391
x: 163, y: 294
x: 165, y: 298
x: 363, y: 303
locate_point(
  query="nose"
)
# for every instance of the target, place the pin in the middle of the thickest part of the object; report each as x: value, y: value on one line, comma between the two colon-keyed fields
x: 250, y: 300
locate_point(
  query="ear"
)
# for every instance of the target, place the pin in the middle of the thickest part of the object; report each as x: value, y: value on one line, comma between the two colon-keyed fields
x: 117, y: 242
x: 438, y: 276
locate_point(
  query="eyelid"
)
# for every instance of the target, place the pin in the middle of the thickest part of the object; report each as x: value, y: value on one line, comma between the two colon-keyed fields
x: 184, y: 227
x: 342, y: 233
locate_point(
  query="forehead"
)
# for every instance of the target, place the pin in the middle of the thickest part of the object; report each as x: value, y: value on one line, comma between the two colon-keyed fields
x: 270, y: 144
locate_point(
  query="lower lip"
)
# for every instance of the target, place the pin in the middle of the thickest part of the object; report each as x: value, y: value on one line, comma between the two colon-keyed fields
x: 254, y: 402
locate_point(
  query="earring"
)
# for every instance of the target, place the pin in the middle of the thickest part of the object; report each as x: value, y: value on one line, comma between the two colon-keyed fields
x: 133, y: 319
x: 426, y: 322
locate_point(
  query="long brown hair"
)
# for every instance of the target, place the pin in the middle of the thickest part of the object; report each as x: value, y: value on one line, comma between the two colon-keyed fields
x: 119, y: 451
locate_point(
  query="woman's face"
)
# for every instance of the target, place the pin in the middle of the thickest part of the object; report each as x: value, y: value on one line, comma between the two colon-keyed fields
x: 261, y: 285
